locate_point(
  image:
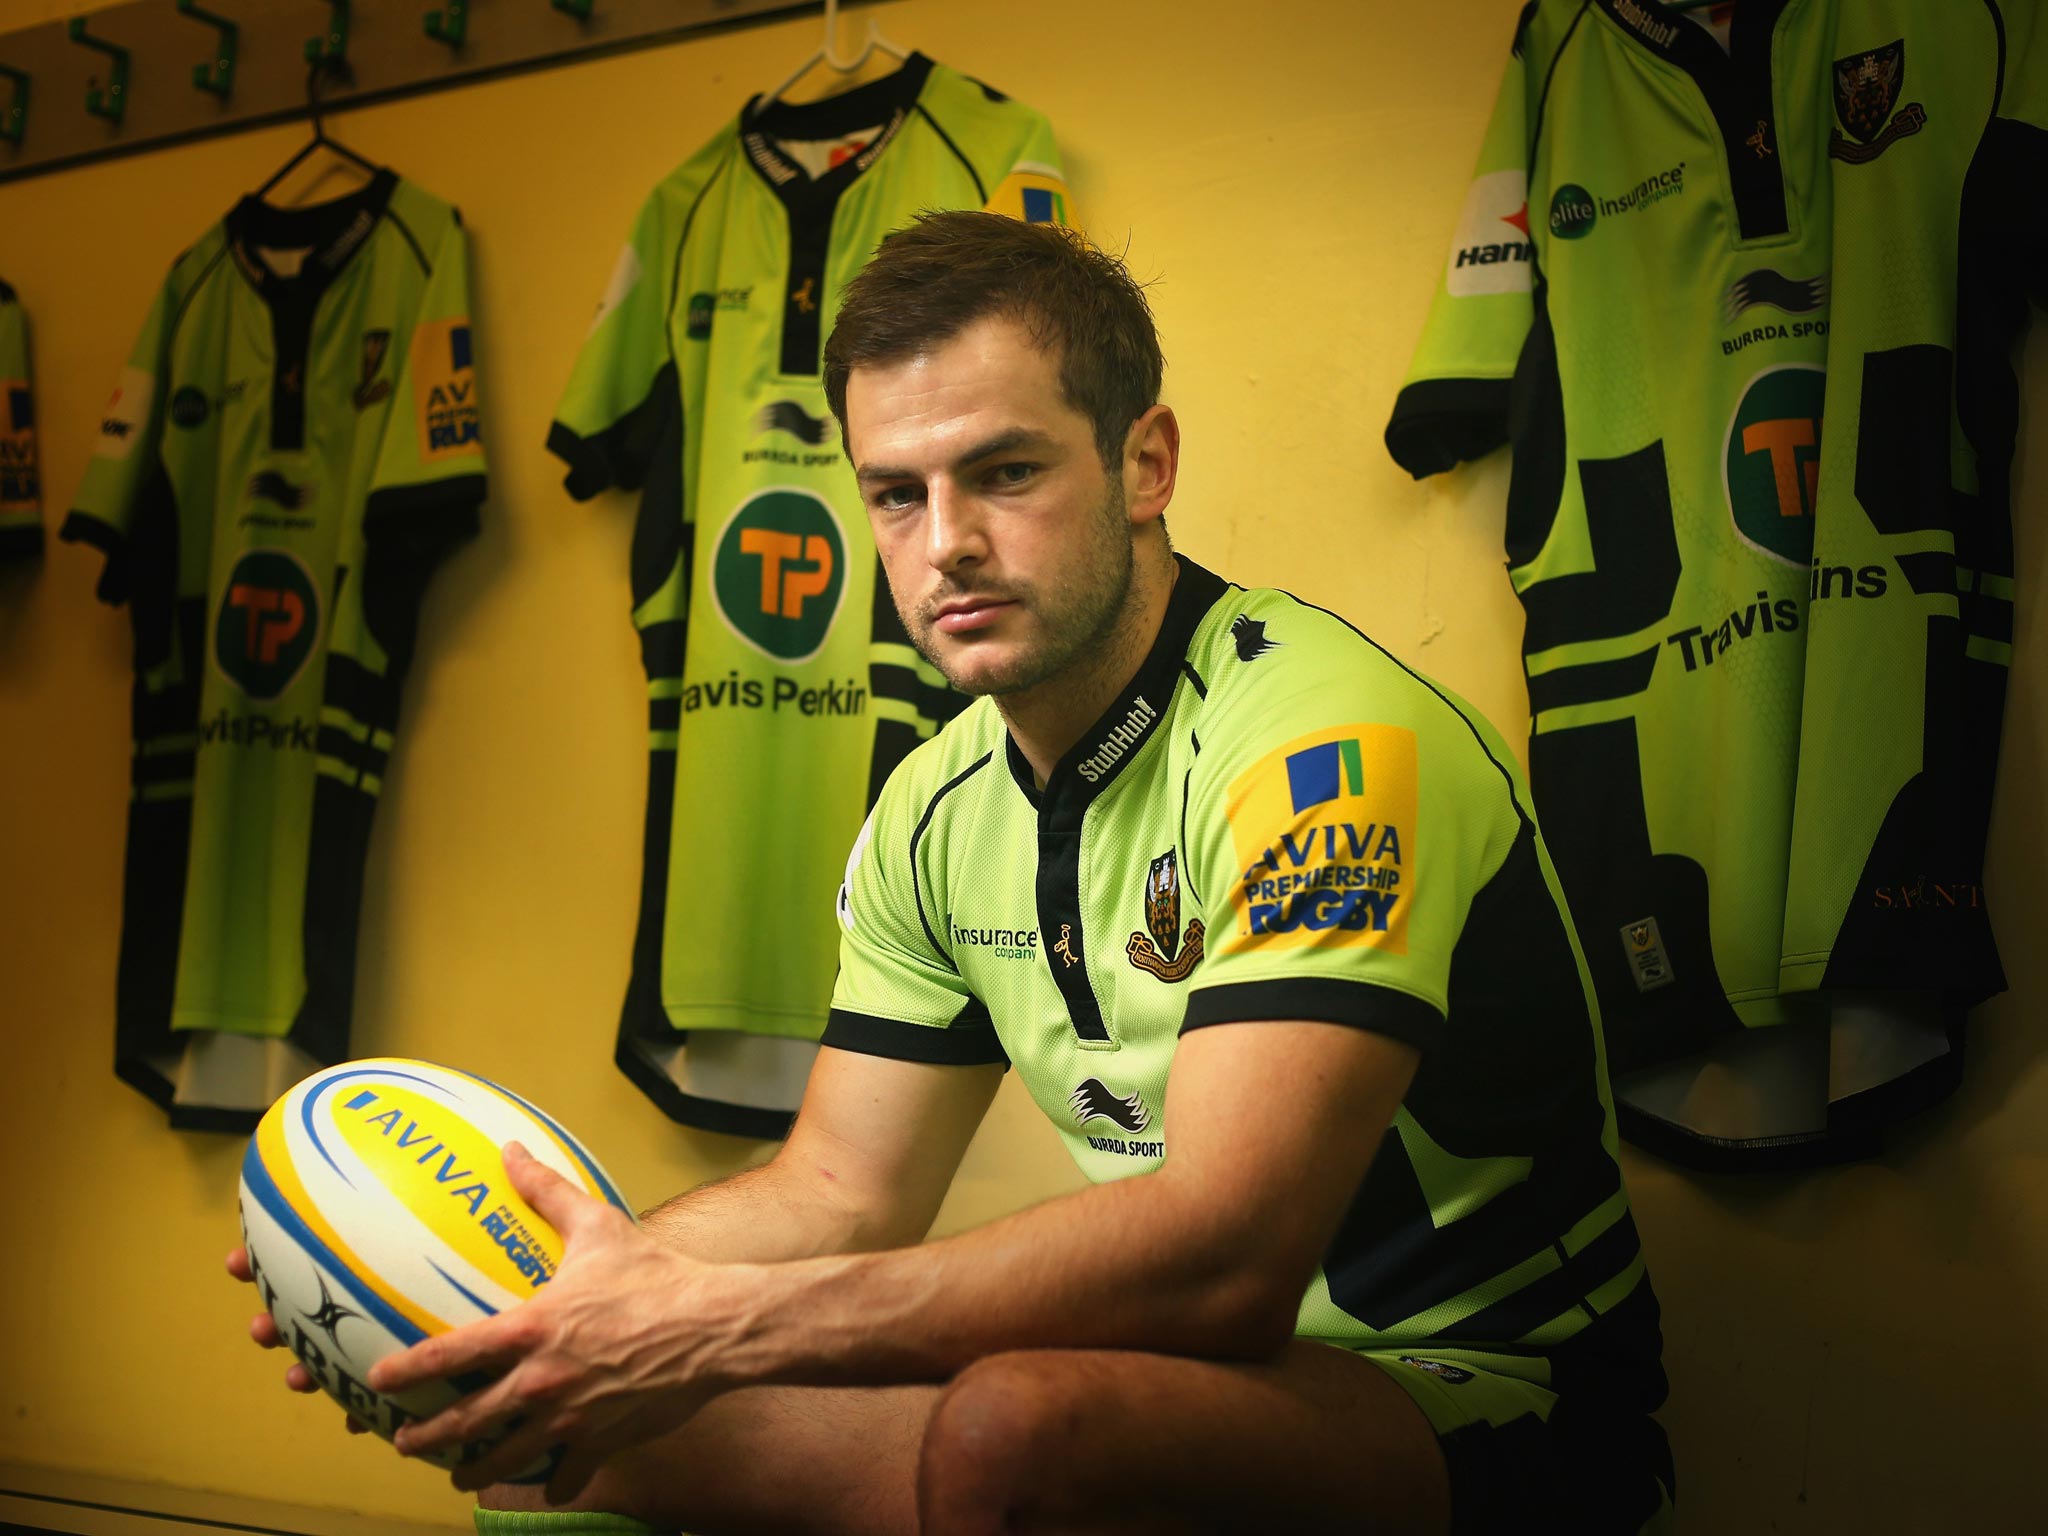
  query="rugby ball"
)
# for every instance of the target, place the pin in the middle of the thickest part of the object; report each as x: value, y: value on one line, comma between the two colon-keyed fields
x: 377, y: 1212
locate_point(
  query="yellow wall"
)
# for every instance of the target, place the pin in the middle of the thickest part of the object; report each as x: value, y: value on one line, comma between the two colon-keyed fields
x: 1862, y: 1349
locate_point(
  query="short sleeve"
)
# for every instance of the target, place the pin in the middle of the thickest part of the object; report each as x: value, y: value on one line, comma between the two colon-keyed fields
x: 1034, y: 189
x: 21, y: 527
x: 898, y: 994
x: 430, y: 476
x: 1453, y: 406
x: 1340, y: 861
x: 113, y: 502
x: 609, y: 420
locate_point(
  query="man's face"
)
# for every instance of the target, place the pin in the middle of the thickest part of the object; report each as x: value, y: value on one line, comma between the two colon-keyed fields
x: 1007, y: 545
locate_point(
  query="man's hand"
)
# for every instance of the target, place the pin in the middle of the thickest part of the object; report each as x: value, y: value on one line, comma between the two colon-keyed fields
x: 612, y: 1351
x: 263, y: 1329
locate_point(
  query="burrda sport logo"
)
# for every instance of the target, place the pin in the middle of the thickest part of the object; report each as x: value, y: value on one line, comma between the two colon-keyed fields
x: 269, y: 623
x: 780, y: 572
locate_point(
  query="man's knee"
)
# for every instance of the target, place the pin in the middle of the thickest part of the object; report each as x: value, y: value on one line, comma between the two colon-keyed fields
x: 1005, y: 1439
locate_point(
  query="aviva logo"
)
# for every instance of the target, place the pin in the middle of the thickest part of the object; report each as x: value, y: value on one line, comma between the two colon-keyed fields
x: 269, y: 623
x: 780, y: 572
x: 1771, y: 466
x: 1324, y: 829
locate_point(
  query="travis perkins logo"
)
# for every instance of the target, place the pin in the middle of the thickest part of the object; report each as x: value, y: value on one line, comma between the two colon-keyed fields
x: 1176, y: 956
x: 1866, y: 89
x: 1120, y: 742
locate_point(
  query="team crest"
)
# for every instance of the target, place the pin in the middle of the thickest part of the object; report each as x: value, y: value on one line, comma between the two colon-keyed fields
x: 1867, y: 87
x: 369, y: 388
x: 1165, y: 951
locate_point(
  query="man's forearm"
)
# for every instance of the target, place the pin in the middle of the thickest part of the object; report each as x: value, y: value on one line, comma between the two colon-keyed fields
x: 761, y: 1216
x: 1126, y: 1265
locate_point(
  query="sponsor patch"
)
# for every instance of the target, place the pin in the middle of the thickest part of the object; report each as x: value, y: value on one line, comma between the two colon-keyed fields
x: 444, y: 391
x: 1324, y: 829
x: 126, y: 415
x: 188, y: 407
x: 780, y: 571
x: 1492, y: 253
x: 1771, y: 467
x: 269, y: 622
x: 1094, y: 1100
x: 1249, y: 634
x: 1034, y: 193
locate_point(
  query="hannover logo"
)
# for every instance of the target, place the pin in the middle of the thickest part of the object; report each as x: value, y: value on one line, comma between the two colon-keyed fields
x: 268, y: 624
x: 780, y: 572
x: 1772, y: 462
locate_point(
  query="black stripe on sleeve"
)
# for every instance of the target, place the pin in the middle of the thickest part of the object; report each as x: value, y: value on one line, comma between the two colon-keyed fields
x: 916, y: 889
x: 1355, y: 1004
x: 969, y: 1041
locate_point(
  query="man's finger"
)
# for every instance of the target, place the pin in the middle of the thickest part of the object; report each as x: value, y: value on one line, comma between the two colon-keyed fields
x: 263, y: 1329
x: 560, y: 1203
x: 480, y: 1346
x: 468, y: 1419
x: 299, y: 1379
x: 522, y: 1446
x: 238, y: 1264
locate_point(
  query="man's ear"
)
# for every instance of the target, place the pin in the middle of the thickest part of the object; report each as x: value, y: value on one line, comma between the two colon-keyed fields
x: 1151, y: 464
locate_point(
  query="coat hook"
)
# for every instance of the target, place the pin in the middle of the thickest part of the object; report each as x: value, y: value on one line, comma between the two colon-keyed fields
x: 15, y: 113
x: 331, y: 46
x: 217, y: 75
x: 449, y: 24
x: 580, y: 9
x: 113, y: 101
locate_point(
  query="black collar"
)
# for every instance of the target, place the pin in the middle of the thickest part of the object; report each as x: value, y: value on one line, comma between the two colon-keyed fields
x: 1108, y: 746
x: 335, y: 231
x: 887, y: 102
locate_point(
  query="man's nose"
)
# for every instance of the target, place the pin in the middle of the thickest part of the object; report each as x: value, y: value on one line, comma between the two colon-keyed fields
x: 955, y: 534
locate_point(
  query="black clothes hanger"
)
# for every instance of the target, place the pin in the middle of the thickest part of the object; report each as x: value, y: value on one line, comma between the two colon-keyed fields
x: 337, y: 69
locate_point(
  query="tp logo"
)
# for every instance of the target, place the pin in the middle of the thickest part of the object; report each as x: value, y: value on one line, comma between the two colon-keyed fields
x: 1771, y: 466
x: 269, y: 623
x: 780, y: 572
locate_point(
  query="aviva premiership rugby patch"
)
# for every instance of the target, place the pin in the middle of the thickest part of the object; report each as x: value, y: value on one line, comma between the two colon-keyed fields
x: 1324, y: 830
x: 444, y: 390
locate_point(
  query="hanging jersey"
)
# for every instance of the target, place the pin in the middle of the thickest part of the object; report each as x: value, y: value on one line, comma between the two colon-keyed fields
x: 781, y: 685
x: 21, y: 522
x: 291, y: 448
x: 1741, y: 301
x: 1276, y: 820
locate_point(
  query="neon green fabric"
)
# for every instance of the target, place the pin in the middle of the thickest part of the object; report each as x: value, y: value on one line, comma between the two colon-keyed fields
x: 781, y: 687
x: 1740, y: 298
x: 1275, y: 820
x: 292, y: 446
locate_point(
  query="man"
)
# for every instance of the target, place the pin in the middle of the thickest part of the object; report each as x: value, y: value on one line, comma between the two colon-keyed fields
x: 1262, y: 921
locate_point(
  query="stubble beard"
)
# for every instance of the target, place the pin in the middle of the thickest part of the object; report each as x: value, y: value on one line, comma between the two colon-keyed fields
x: 1077, y: 621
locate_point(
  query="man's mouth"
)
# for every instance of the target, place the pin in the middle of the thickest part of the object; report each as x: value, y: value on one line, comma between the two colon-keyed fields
x: 961, y: 615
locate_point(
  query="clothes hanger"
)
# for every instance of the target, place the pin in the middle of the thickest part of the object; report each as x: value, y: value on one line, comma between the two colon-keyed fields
x: 825, y: 55
x: 321, y: 139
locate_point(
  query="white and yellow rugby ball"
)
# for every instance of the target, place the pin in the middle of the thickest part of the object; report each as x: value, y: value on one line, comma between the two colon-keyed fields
x: 377, y: 1212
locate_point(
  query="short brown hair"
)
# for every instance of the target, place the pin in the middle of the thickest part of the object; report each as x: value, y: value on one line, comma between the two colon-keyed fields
x: 932, y: 279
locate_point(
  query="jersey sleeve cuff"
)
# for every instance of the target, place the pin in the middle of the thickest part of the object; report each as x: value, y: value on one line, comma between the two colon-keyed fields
x: 432, y: 516
x: 84, y: 528
x: 1355, y: 1004
x: 1440, y: 423
x: 969, y: 1041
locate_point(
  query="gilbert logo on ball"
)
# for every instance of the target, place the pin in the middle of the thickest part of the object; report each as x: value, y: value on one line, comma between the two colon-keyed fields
x: 377, y: 1212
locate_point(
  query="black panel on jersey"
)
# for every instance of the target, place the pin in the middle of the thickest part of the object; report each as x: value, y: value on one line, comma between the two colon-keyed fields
x: 1355, y: 1004
x: 969, y: 1041
x: 1439, y: 423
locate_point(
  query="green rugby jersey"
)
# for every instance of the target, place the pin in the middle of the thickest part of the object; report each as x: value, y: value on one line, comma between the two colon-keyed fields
x: 1276, y: 820
x: 291, y: 448
x: 21, y: 522
x: 781, y: 686
x: 1742, y: 303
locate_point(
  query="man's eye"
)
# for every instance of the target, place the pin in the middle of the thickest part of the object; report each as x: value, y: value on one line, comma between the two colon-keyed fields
x: 1013, y: 474
x: 896, y: 498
